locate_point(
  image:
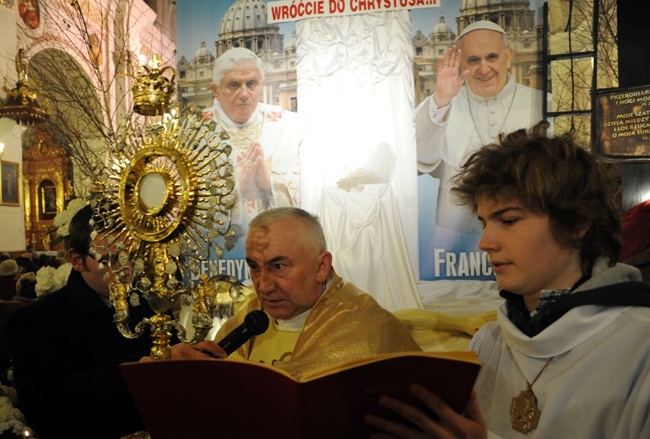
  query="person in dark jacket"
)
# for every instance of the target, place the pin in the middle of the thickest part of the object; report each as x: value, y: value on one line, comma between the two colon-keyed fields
x: 66, y: 349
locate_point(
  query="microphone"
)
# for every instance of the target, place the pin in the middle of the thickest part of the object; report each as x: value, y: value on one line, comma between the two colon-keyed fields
x: 255, y: 323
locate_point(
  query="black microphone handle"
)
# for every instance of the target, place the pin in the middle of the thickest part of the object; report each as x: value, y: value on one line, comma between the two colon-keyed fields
x: 256, y: 322
x: 231, y: 342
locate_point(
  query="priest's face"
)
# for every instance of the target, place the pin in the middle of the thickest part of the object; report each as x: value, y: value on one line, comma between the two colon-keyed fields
x: 488, y: 61
x: 239, y: 91
x: 286, y: 269
x: 524, y: 253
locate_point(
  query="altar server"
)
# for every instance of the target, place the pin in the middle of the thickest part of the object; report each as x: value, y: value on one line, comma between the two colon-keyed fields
x: 569, y: 354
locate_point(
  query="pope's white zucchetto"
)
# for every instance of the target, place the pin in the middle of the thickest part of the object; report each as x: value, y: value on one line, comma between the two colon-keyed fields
x: 481, y: 25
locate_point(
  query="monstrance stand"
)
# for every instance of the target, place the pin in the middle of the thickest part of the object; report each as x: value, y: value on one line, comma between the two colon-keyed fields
x: 164, y: 205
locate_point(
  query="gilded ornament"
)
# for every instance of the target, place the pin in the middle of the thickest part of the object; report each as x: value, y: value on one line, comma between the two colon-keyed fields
x: 156, y: 205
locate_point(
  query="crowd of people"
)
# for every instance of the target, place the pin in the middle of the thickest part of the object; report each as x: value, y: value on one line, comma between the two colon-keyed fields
x: 18, y: 288
x: 25, y: 265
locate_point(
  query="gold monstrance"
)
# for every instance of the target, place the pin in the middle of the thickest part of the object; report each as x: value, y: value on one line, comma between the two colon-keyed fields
x: 164, y: 204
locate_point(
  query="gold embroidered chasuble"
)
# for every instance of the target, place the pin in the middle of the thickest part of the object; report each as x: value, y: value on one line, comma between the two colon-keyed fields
x: 345, y: 324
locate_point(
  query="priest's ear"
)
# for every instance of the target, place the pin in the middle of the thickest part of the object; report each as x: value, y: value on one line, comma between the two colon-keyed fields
x: 323, y: 266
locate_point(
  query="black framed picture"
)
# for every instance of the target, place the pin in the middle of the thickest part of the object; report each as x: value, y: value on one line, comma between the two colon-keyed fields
x: 623, y: 123
x: 49, y: 199
x: 9, y: 181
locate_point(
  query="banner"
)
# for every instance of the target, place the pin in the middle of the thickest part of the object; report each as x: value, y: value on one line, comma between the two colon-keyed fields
x: 442, y: 248
x: 291, y: 10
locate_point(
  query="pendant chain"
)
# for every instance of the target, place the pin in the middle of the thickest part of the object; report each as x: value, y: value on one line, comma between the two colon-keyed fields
x: 503, y: 124
x: 524, y: 411
x: 530, y: 385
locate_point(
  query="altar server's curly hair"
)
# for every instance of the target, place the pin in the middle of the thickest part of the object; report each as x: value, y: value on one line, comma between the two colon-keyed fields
x: 553, y: 176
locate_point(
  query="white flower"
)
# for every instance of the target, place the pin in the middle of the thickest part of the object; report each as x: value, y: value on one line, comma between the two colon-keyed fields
x: 50, y: 279
x: 10, y: 417
x: 61, y: 275
x: 44, y: 282
x: 62, y: 219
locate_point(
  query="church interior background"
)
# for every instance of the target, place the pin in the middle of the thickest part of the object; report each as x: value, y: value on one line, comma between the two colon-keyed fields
x: 77, y: 62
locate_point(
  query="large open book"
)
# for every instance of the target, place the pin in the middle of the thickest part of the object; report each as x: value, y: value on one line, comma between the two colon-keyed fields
x: 236, y: 399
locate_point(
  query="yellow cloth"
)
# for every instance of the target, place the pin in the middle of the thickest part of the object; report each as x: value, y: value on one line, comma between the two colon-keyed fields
x: 435, y: 331
x: 345, y: 324
x: 419, y: 319
x: 273, y: 346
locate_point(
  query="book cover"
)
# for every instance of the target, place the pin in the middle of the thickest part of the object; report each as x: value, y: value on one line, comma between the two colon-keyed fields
x: 238, y: 399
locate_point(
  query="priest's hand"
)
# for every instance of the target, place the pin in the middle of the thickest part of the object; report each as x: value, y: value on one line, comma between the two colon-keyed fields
x: 201, y: 350
x: 449, y: 80
x: 449, y: 424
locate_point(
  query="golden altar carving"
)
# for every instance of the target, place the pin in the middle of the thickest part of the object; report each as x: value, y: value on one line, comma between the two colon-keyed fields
x: 46, y: 170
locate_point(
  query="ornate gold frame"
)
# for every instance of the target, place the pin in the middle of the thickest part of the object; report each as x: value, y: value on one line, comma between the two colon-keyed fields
x: 163, y: 206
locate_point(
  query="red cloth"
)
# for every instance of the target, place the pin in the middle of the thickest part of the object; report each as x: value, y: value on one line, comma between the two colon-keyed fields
x: 635, y: 235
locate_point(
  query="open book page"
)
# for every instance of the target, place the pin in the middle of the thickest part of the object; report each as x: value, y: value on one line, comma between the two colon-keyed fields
x: 240, y: 399
x: 180, y: 399
x: 340, y: 399
x: 464, y: 356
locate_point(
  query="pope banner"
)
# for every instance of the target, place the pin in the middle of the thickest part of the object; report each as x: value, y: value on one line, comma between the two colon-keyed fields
x: 415, y: 150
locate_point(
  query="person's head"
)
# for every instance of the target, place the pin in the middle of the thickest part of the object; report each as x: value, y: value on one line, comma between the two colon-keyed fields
x: 9, y: 268
x: 26, y: 264
x: 288, y: 260
x: 548, y: 208
x: 485, y: 52
x: 28, y: 255
x: 93, y: 269
x: 51, y: 261
x: 237, y: 82
x: 26, y: 287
